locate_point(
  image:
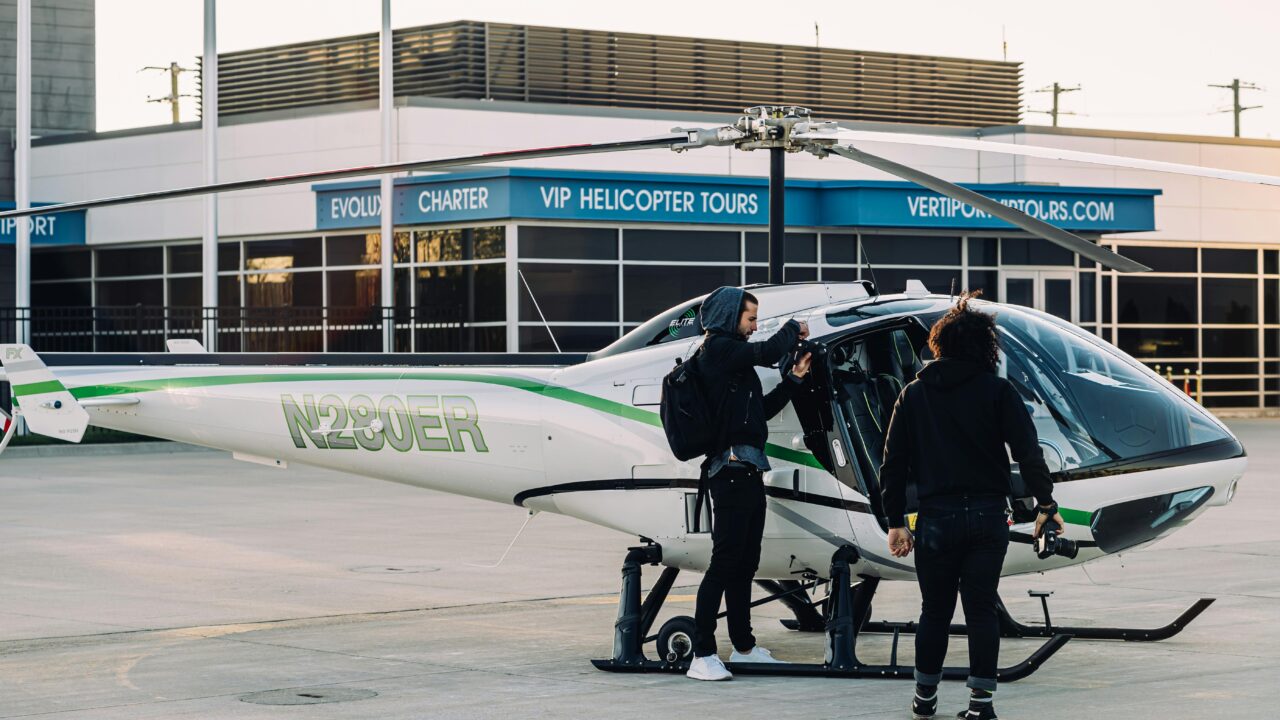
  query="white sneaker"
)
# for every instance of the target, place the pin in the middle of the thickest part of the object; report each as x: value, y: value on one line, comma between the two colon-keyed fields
x: 708, y: 668
x: 757, y: 655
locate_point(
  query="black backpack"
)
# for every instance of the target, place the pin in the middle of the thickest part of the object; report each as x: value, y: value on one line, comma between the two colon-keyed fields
x: 686, y: 414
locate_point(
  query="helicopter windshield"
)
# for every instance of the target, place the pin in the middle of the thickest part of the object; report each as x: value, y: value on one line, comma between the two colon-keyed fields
x: 1091, y: 403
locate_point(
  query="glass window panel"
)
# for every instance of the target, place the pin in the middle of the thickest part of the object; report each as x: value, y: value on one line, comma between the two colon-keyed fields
x: 284, y: 289
x: 229, y: 256
x: 1228, y: 385
x: 800, y: 248
x: 1020, y: 291
x: 1158, y: 342
x: 830, y: 274
x: 462, y: 338
x: 650, y: 289
x: 402, y: 251
x: 229, y: 291
x: 355, y: 288
x: 756, y: 275
x: 799, y: 274
x: 1272, y: 343
x: 131, y: 261
x: 186, y: 292
x: 911, y: 250
x: 757, y: 247
x: 838, y: 248
x: 185, y: 258
x: 1088, y: 296
x: 1224, y: 368
x: 568, y: 293
x: 61, y: 264
x: 1106, y: 334
x: 568, y: 243
x: 1271, y: 261
x: 130, y: 292
x: 62, y: 294
x: 1271, y: 301
x: 1106, y: 314
x: 282, y: 254
x: 685, y: 245
x: 988, y: 281
x: 571, y: 338
x: 401, y: 282
x: 476, y: 293
x: 1057, y: 297
x: 1231, y: 401
x: 363, y: 249
x: 1230, y: 300
x: 1229, y: 261
x: 1155, y: 300
x: 984, y: 252
x: 1271, y: 368
x: 1034, y: 251
x: 1087, y: 263
x: 1162, y: 259
x: 1230, y: 343
x: 894, y: 280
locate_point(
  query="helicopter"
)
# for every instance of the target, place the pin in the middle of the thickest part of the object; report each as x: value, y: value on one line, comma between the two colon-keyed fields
x: 1133, y: 459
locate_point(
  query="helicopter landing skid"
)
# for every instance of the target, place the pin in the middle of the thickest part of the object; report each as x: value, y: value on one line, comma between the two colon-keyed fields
x: 846, y: 612
x: 1011, y: 628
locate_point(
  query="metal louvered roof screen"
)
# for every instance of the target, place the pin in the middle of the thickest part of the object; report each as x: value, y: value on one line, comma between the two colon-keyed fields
x: 522, y: 63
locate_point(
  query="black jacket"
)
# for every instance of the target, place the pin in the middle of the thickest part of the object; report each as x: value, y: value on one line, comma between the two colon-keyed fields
x: 729, y: 378
x: 948, y: 435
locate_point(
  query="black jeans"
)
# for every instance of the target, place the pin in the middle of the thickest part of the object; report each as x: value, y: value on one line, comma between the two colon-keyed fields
x: 960, y: 545
x: 737, y: 525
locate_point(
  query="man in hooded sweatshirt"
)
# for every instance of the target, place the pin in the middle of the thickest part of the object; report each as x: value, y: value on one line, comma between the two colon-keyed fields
x: 735, y: 470
x: 948, y: 436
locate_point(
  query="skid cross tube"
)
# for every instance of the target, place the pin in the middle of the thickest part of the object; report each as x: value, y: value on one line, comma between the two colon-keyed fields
x: 848, y: 607
x: 1011, y: 628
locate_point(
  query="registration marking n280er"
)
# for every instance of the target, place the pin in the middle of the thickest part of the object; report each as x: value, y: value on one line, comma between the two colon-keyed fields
x: 429, y: 423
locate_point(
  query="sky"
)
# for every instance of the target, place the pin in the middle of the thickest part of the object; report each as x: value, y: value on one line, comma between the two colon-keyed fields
x: 1141, y: 65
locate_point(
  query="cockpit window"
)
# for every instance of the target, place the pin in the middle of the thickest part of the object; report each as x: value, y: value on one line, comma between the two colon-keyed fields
x: 678, y: 323
x: 1090, y: 403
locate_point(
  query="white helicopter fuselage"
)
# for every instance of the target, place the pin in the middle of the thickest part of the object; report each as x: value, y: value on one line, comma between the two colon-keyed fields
x: 583, y: 441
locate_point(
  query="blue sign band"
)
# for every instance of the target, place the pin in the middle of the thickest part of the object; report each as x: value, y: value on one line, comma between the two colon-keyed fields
x: 504, y: 193
x: 62, y: 229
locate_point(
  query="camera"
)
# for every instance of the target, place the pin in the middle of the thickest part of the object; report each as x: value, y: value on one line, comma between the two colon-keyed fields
x: 1052, y: 543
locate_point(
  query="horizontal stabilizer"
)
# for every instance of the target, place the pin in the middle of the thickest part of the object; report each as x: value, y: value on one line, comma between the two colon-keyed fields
x: 41, y: 398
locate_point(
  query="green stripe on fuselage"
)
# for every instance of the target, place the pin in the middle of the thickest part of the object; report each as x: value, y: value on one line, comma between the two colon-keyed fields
x: 557, y: 392
x: 38, y: 388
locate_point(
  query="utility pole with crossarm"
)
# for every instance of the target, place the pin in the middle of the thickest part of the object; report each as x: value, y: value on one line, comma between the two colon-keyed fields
x: 1236, y: 108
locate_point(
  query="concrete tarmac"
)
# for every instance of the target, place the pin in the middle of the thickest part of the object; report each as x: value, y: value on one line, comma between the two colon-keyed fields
x: 185, y: 585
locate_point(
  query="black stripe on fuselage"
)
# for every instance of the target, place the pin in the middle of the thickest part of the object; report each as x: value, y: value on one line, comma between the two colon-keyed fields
x: 685, y: 484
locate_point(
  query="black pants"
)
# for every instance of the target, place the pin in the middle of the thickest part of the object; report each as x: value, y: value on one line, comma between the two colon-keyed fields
x: 737, y: 507
x: 960, y: 545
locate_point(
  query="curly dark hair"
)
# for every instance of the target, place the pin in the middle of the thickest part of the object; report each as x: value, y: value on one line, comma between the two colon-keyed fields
x: 966, y: 333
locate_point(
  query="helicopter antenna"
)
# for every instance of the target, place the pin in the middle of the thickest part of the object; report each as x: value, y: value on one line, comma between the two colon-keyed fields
x: 509, y: 545
x: 539, y: 309
x: 862, y: 246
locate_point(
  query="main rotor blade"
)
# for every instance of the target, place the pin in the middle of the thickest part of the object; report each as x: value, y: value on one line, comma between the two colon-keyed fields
x: 861, y: 136
x: 501, y: 156
x: 1010, y: 215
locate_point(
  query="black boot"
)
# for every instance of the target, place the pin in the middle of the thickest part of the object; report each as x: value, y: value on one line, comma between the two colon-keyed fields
x: 925, y: 704
x: 981, y: 706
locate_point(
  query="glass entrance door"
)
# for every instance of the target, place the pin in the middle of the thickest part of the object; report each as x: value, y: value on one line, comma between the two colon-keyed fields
x: 1051, y: 291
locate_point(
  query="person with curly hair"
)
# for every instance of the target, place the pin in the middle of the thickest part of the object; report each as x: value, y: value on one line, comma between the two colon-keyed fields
x: 948, y: 436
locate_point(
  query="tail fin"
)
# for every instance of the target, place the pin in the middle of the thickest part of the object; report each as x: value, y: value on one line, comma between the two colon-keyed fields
x: 41, y: 398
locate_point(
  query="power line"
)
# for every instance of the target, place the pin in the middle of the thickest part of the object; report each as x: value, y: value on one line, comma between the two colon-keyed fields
x: 1236, y: 108
x: 1057, y: 90
x: 172, y: 98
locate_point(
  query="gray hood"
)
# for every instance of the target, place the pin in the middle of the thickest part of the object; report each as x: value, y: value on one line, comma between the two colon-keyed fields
x: 719, y: 311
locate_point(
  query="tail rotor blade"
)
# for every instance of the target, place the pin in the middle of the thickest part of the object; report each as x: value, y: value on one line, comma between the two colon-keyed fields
x: 666, y: 141
x: 1015, y: 217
